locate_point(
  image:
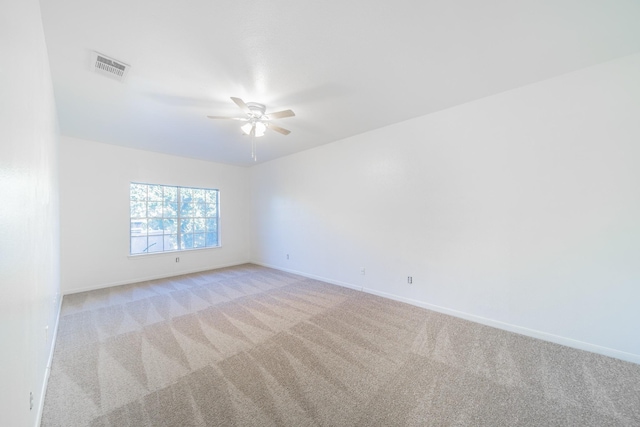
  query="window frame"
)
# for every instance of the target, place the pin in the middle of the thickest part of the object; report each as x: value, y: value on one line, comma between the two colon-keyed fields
x: 179, y: 219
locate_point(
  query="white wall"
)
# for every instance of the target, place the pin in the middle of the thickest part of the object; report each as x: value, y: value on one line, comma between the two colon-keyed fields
x: 94, y: 212
x: 520, y: 210
x: 29, y: 248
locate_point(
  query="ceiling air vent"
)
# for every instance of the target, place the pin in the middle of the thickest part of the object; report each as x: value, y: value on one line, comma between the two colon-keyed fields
x: 109, y: 67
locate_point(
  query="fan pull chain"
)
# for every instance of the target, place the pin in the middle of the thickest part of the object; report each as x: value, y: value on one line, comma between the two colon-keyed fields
x: 254, y: 154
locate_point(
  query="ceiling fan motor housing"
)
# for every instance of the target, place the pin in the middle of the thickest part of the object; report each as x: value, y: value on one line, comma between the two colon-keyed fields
x: 257, y: 110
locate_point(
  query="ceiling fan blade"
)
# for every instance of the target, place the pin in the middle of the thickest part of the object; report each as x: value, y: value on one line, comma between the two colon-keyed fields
x: 240, y: 103
x: 281, y: 114
x: 242, y: 119
x: 279, y: 129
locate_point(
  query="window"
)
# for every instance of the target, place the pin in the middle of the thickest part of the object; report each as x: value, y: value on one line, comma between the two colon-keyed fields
x: 166, y: 218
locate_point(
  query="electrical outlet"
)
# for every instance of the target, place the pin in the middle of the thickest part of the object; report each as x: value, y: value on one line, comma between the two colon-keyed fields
x: 287, y: 256
x: 409, y: 279
x: 177, y: 259
x: 30, y: 400
x: 362, y: 271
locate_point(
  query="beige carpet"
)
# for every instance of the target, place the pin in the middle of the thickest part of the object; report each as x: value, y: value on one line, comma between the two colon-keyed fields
x: 251, y: 346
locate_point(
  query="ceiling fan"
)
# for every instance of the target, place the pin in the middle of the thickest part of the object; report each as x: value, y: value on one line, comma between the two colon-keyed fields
x: 257, y: 121
x: 256, y: 116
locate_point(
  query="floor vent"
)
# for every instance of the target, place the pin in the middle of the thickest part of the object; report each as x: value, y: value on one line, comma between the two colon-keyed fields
x: 109, y: 67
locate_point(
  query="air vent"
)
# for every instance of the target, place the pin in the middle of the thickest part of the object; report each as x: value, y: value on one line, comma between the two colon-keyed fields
x: 109, y: 67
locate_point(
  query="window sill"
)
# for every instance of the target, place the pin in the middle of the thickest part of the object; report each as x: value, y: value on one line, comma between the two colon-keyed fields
x: 172, y: 253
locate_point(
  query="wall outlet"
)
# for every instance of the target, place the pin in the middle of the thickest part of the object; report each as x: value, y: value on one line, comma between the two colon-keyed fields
x: 287, y: 256
x: 363, y: 271
x: 177, y: 259
x: 30, y: 400
x: 409, y: 279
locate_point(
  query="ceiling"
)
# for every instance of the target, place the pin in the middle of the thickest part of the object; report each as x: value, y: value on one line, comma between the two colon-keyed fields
x: 345, y: 67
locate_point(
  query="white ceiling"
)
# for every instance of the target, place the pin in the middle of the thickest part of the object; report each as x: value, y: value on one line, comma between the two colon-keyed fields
x: 345, y: 67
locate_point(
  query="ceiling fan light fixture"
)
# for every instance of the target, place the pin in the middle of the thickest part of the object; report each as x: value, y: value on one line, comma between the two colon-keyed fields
x: 260, y: 128
x: 246, y: 128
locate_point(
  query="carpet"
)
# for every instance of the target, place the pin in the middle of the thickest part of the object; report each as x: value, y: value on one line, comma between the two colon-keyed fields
x: 253, y: 346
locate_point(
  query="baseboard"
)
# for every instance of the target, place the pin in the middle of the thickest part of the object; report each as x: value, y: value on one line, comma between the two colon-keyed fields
x: 47, y: 373
x: 310, y: 276
x: 153, y: 277
x: 545, y: 336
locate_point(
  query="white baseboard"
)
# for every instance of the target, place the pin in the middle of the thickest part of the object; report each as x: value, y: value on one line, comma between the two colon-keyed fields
x: 147, y: 278
x: 310, y: 276
x: 545, y: 336
x: 47, y: 373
